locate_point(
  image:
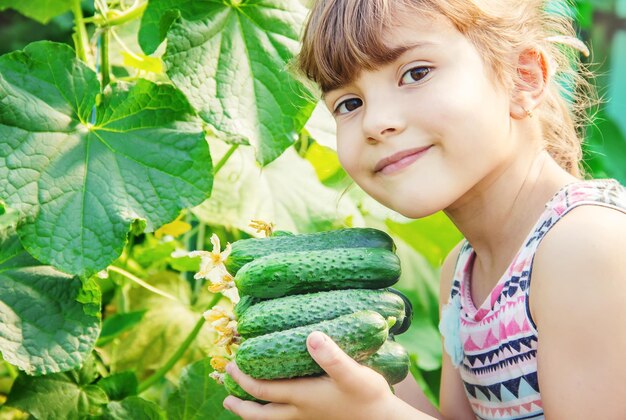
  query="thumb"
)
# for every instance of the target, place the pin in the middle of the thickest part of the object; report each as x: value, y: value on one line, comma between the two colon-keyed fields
x: 335, y: 362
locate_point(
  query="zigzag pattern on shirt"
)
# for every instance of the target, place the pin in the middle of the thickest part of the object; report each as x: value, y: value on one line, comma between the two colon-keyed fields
x: 513, y: 360
x: 514, y: 346
x: 518, y: 387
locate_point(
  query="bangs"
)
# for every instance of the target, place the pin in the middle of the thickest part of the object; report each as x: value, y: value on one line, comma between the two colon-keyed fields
x: 344, y: 37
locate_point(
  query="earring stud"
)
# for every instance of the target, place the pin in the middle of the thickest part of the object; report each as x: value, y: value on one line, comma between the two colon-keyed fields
x: 528, y: 112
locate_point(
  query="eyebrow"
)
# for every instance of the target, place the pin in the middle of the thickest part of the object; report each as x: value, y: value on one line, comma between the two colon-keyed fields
x: 392, y: 54
x: 396, y: 52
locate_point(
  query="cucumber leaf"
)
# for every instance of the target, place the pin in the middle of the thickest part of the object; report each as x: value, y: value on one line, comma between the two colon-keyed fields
x: 83, y: 167
x: 68, y: 395
x: 296, y: 202
x: 198, y: 397
x: 433, y: 236
x: 117, y: 324
x: 49, y: 320
x: 39, y: 10
x: 133, y: 408
x: 119, y: 386
x: 230, y: 58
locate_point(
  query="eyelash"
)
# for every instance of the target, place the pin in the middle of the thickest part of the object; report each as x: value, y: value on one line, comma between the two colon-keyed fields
x: 421, y: 68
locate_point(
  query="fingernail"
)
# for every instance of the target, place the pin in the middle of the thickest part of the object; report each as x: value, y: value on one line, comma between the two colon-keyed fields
x: 316, y: 339
x: 226, y: 402
x: 230, y: 368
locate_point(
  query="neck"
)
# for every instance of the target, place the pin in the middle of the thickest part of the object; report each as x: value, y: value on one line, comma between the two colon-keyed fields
x: 498, y: 213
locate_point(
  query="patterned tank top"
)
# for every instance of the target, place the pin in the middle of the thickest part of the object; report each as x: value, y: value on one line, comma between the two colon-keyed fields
x: 495, y: 345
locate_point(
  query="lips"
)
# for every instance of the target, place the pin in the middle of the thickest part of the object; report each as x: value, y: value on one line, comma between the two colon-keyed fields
x: 400, y: 159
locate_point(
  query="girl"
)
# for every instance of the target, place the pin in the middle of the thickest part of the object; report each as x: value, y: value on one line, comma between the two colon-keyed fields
x: 456, y: 106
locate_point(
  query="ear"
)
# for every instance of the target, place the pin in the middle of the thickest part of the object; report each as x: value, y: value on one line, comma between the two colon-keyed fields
x: 533, y: 78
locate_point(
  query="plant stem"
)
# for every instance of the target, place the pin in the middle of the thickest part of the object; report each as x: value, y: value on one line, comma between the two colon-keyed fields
x: 179, y: 352
x: 129, y: 15
x: 199, y: 246
x: 80, y: 34
x: 224, y: 159
x: 104, y: 57
x: 142, y: 283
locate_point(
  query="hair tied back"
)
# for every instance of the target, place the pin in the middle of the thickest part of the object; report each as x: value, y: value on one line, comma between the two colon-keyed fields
x: 571, y: 41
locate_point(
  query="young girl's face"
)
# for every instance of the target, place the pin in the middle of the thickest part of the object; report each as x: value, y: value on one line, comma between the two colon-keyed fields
x: 419, y: 133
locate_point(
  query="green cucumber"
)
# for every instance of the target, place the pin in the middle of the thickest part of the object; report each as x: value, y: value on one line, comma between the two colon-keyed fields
x: 246, y: 250
x: 401, y: 327
x: 391, y: 361
x: 295, y: 311
x: 233, y: 388
x: 244, y: 303
x: 284, y: 354
x: 301, y: 272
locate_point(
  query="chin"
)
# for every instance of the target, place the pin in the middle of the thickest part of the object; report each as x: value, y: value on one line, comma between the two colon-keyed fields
x: 417, y: 212
x: 414, y: 209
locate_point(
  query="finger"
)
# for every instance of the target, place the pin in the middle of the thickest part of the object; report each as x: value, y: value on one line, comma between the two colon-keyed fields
x: 335, y: 362
x: 276, y: 390
x: 250, y: 410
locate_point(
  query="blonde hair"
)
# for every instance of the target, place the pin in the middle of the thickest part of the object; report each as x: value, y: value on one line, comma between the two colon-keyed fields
x: 343, y: 37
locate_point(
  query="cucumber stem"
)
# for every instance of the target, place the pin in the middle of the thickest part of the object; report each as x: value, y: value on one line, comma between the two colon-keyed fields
x: 129, y: 15
x: 80, y: 32
x: 142, y: 283
x: 104, y: 58
x: 224, y: 159
x: 200, y: 246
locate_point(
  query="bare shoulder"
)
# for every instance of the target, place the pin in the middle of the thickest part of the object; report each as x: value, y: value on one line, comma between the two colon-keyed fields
x: 585, y: 235
x: 577, y: 298
x: 581, y: 256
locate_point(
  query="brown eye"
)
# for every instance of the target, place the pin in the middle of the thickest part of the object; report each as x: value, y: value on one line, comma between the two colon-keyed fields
x: 348, y: 105
x: 415, y: 74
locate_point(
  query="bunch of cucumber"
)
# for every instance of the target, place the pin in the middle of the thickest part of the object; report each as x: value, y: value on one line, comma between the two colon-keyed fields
x: 337, y: 282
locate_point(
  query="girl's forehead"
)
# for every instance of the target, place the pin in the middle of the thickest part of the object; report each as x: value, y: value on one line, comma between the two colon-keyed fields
x: 344, y: 42
x: 413, y: 27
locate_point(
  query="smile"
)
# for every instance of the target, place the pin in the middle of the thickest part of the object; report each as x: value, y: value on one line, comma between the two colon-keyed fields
x: 400, y: 160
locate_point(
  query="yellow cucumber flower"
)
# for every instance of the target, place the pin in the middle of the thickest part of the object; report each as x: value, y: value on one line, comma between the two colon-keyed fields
x: 262, y: 226
x: 219, y: 363
x: 211, y: 259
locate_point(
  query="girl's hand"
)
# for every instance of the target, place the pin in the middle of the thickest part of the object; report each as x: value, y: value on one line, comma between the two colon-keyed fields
x: 350, y: 391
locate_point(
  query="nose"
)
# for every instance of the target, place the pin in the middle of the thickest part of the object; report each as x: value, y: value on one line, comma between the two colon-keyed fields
x: 382, y: 119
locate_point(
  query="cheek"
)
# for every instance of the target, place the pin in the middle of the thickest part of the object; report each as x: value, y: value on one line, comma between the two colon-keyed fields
x: 348, y: 154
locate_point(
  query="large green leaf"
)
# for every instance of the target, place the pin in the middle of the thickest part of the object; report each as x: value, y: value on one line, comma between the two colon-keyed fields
x: 117, y: 324
x: 230, y: 59
x: 69, y: 395
x: 40, y: 10
x: 287, y: 192
x: 134, y: 408
x: 433, y: 236
x: 420, y: 283
x: 198, y: 396
x: 81, y: 179
x: 49, y: 321
x: 119, y: 386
